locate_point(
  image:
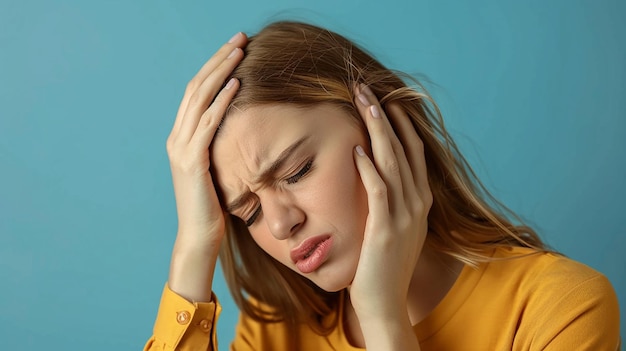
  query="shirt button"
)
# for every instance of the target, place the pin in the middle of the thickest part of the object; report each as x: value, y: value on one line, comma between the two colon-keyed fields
x: 183, y: 317
x: 205, y: 325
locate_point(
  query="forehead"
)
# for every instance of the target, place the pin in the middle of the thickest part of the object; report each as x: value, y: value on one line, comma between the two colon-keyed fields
x: 255, y: 134
x: 249, y: 140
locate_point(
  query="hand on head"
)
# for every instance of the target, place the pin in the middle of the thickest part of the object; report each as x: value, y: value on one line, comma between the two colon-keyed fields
x: 201, y: 223
x: 399, y: 199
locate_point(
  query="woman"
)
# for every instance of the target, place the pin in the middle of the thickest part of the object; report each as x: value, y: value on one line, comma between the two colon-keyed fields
x: 348, y: 219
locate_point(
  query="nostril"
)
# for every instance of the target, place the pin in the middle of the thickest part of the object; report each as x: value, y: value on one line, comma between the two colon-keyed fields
x: 295, y: 228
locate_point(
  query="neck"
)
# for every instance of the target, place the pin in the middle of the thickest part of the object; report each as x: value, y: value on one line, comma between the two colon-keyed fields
x: 433, y: 277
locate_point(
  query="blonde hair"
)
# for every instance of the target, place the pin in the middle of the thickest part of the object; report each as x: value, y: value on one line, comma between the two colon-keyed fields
x: 304, y: 65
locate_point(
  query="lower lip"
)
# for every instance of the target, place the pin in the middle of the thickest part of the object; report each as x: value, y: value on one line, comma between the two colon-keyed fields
x: 317, y: 257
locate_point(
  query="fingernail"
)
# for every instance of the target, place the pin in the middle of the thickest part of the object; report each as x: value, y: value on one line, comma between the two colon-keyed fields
x: 230, y: 83
x: 234, y: 38
x: 375, y: 112
x: 359, y: 150
x: 232, y: 53
x: 363, y: 100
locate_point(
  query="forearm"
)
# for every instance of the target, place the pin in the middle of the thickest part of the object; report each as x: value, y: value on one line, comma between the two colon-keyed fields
x: 191, y: 271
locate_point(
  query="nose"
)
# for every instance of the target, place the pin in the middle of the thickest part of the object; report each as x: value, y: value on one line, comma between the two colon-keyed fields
x: 282, y: 215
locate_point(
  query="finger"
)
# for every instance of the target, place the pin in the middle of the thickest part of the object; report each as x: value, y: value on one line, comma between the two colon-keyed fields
x: 388, y: 153
x: 377, y: 199
x: 212, y: 117
x: 400, y: 142
x: 407, y: 172
x: 413, y: 146
x: 239, y: 40
x: 371, y: 97
x: 200, y: 101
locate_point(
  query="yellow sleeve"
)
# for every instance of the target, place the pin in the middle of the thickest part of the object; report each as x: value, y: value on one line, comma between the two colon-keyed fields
x: 182, y: 325
x: 585, y: 317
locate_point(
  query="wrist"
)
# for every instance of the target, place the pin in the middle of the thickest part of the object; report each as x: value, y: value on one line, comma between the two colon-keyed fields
x: 385, y: 324
x: 378, y: 308
x: 198, y: 240
x: 191, y: 272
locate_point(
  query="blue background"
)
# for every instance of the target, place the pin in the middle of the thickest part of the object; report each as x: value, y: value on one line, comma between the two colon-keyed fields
x: 534, y: 91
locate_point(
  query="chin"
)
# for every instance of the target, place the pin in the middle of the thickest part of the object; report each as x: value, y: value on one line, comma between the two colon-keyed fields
x: 330, y: 280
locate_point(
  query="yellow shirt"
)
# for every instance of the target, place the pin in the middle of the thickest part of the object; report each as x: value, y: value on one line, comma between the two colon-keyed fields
x: 540, y: 301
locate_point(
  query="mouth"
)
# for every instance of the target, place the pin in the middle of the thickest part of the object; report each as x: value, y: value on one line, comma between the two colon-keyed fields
x: 311, y: 253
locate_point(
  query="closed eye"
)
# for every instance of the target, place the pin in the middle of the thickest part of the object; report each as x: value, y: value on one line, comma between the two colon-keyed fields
x: 291, y: 180
x: 257, y: 212
x: 301, y: 173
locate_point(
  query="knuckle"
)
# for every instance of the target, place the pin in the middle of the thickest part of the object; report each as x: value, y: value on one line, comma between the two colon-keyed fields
x: 405, y: 221
x: 208, y: 120
x: 170, y: 144
x: 194, y: 99
x: 428, y: 200
x: 422, y: 204
x: 174, y: 158
x: 185, y: 165
x: 379, y: 191
x: 419, y: 144
x: 192, y: 85
x: 392, y: 166
x: 417, y: 208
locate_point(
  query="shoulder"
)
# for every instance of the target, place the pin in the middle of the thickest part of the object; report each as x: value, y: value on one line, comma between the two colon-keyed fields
x: 545, y: 269
x: 548, y: 278
x: 559, y: 299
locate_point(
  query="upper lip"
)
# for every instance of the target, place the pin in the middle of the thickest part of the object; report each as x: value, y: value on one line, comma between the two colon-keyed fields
x: 306, y: 246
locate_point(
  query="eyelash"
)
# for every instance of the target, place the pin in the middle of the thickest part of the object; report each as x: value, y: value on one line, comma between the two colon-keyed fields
x: 254, y: 216
x: 301, y: 173
x: 291, y: 180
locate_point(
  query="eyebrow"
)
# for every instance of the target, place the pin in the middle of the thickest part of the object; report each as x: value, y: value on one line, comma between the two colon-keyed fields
x: 266, y: 174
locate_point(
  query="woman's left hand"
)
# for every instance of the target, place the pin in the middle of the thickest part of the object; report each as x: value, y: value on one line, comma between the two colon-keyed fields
x: 399, y: 199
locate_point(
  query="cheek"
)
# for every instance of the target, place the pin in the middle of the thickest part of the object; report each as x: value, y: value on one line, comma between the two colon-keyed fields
x: 334, y: 194
x: 339, y: 189
x: 267, y: 242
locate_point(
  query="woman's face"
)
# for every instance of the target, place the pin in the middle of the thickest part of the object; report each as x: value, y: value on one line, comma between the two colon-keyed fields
x: 289, y: 173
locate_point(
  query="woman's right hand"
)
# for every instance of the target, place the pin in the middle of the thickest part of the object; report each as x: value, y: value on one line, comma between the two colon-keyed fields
x: 201, y: 224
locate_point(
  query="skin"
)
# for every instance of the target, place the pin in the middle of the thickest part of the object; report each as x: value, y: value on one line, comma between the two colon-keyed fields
x: 295, y: 208
x: 388, y: 293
